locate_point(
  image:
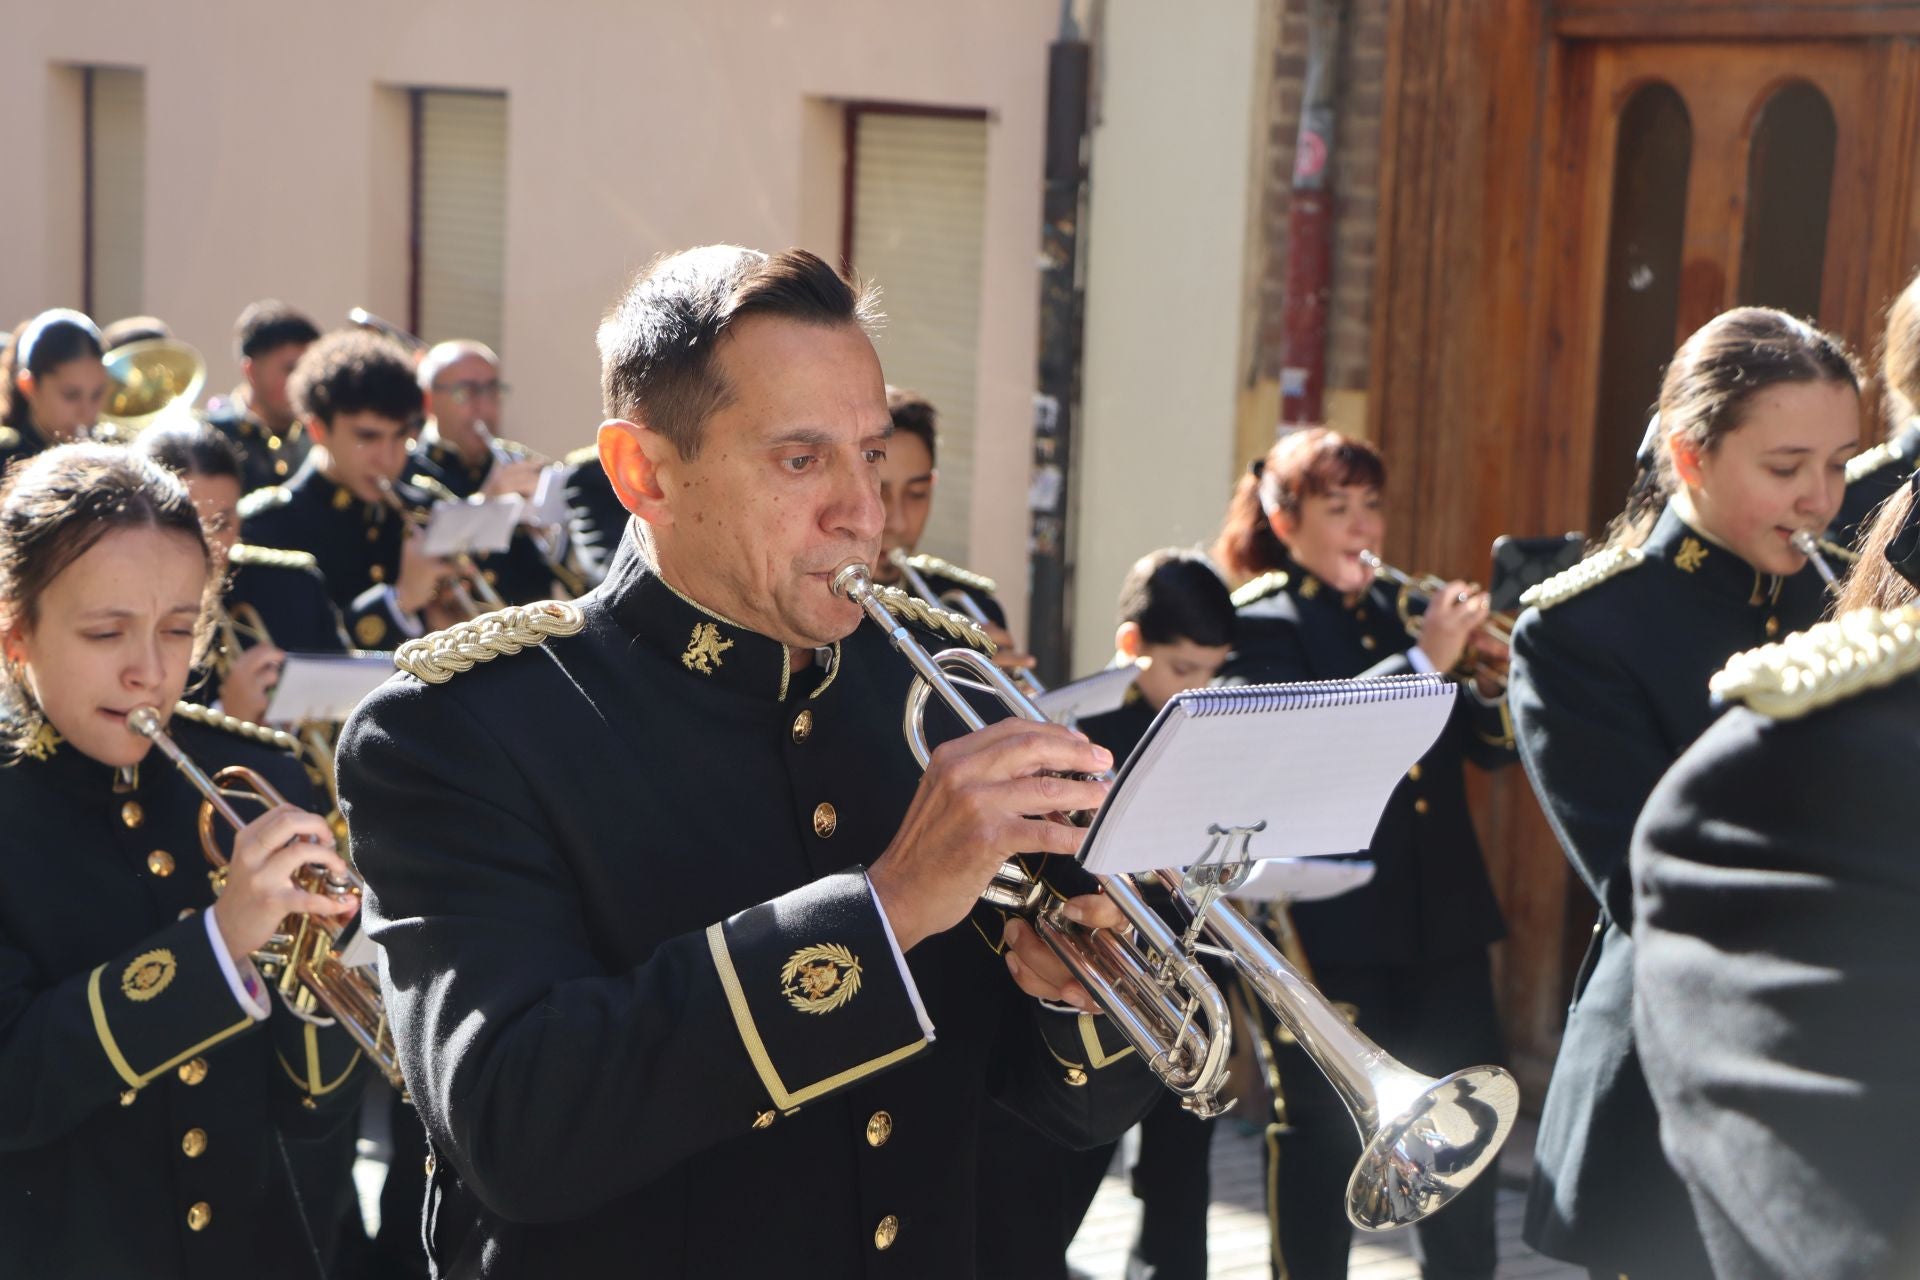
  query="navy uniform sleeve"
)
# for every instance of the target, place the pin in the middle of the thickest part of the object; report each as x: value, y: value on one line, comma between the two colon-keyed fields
x: 70, y: 1048
x: 1590, y: 747
x: 1775, y: 982
x: 511, y: 1029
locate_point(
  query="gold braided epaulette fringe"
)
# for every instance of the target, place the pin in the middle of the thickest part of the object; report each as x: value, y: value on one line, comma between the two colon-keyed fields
x: 1862, y: 465
x: 1259, y: 588
x: 1591, y: 572
x: 912, y: 608
x: 584, y: 454
x: 247, y: 729
x: 955, y: 573
x: 274, y: 495
x: 1824, y: 664
x: 437, y: 658
x: 272, y: 557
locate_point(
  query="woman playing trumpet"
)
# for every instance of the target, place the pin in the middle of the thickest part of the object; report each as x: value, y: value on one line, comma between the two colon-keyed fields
x: 151, y: 1130
x: 1409, y: 949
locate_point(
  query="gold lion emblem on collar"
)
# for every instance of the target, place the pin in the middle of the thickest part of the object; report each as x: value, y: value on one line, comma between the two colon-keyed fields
x: 1692, y: 555
x: 704, y: 649
x: 819, y: 979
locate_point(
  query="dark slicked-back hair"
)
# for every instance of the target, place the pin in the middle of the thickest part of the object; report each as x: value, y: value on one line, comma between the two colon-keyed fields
x: 914, y: 414
x: 355, y: 371
x: 657, y: 344
x: 268, y: 324
x: 1176, y: 595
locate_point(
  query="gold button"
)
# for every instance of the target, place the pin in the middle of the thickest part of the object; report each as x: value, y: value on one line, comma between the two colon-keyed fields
x: 199, y: 1216
x: 493, y: 579
x: 1773, y: 627
x: 378, y: 573
x: 127, y: 1096
x: 184, y: 913
x: 193, y: 1072
x: 803, y: 726
x: 1414, y: 773
x: 884, y: 1234
x: 373, y: 533
x: 432, y: 1164
x: 1076, y: 1077
x: 763, y: 1120
x: 1367, y: 642
x: 160, y: 862
x: 824, y: 820
x: 193, y: 1142
x: 342, y: 499
x: 273, y: 442
x: 879, y: 1129
x: 132, y: 814
x: 1420, y: 805
x: 280, y: 467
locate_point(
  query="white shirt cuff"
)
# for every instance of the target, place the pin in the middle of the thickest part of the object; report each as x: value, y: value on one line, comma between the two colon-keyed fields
x: 1421, y: 662
x: 409, y: 623
x: 255, y: 1005
x: 900, y: 962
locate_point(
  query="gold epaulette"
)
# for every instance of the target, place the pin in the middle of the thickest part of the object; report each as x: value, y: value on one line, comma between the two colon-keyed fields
x: 9, y: 438
x: 954, y: 573
x: 1824, y: 664
x: 272, y: 557
x: 584, y: 454
x: 911, y: 608
x: 1591, y: 572
x: 437, y: 658
x: 274, y: 495
x: 1862, y: 465
x: 1259, y: 588
x: 247, y: 729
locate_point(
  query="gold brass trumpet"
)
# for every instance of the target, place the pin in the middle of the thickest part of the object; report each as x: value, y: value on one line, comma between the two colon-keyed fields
x: 302, y: 958
x: 467, y: 571
x: 1420, y: 591
x: 1425, y: 1140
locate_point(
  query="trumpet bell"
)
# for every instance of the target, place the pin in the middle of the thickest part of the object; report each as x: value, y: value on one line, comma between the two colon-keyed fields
x: 1433, y: 1149
x: 150, y: 377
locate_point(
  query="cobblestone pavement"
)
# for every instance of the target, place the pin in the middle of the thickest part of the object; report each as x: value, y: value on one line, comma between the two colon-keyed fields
x: 1237, y: 1227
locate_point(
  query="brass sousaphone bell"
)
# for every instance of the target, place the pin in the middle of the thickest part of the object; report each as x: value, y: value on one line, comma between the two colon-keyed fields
x: 148, y: 378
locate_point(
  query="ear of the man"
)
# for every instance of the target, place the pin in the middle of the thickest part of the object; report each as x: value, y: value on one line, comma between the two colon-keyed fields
x: 317, y: 431
x: 1129, y: 640
x: 632, y: 456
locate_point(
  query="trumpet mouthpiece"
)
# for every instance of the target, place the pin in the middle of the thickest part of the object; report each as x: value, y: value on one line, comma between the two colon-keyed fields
x: 1371, y: 560
x: 1804, y: 542
x: 853, y: 581
x: 144, y: 721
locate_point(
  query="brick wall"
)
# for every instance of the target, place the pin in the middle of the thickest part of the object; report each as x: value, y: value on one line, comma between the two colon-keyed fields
x: 1356, y: 171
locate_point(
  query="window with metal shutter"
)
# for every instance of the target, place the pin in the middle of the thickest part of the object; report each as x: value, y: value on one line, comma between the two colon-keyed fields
x: 918, y: 211
x: 116, y: 192
x: 460, y: 214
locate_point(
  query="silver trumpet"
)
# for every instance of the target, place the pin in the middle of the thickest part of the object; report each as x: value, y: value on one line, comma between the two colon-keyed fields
x: 1027, y: 682
x: 1818, y: 550
x: 1425, y: 1140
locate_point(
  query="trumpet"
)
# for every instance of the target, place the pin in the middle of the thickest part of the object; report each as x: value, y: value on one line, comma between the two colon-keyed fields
x: 1817, y: 550
x: 1425, y: 1139
x: 241, y: 626
x: 1029, y: 683
x: 467, y: 570
x: 302, y: 958
x: 550, y: 542
x: 1412, y: 598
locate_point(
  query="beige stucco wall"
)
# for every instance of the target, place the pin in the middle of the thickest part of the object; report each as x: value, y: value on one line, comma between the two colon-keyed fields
x: 1170, y: 253
x: 278, y: 152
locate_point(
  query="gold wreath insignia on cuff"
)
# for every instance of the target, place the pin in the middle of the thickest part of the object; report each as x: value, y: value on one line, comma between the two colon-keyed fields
x: 820, y: 979
x: 148, y: 975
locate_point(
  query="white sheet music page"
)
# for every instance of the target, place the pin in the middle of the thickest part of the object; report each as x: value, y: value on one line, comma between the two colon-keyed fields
x: 1316, y: 762
x: 477, y: 526
x: 1092, y: 695
x: 325, y: 686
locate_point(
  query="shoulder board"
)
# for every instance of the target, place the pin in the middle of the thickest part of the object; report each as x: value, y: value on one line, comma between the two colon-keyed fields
x: 911, y: 608
x: 272, y: 557
x: 9, y: 438
x: 954, y: 573
x: 1259, y: 588
x: 1824, y: 664
x: 1862, y: 465
x: 437, y: 658
x: 1591, y: 572
x: 584, y: 454
x: 247, y: 729
x: 274, y: 495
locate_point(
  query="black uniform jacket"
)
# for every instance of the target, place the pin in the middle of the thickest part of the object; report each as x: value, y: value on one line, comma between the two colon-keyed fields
x: 266, y: 457
x: 519, y: 573
x: 355, y: 544
x: 1609, y: 686
x: 643, y: 995
x: 1872, y: 478
x: 141, y: 1098
x: 19, y: 444
x: 285, y: 590
x: 1778, y: 982
x: 1430, y: 897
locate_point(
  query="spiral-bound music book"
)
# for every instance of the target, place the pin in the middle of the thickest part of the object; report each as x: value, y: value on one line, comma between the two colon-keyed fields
x: 1316, y: 762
